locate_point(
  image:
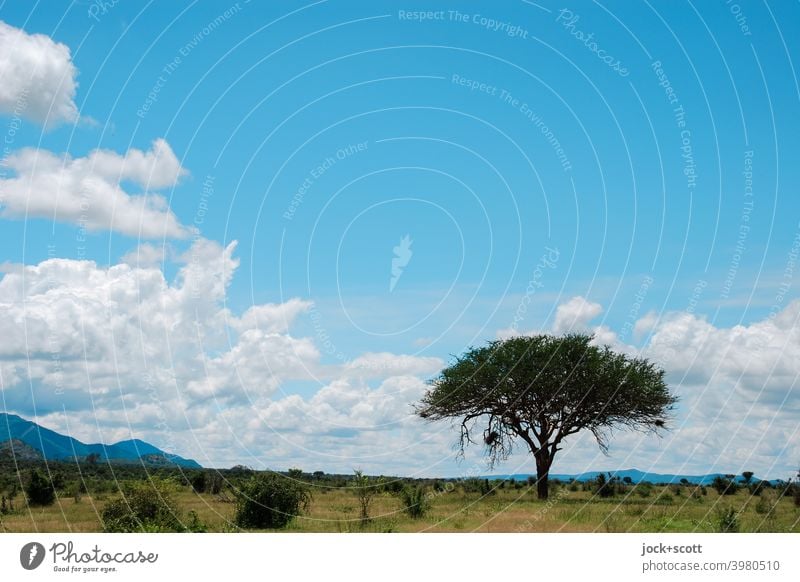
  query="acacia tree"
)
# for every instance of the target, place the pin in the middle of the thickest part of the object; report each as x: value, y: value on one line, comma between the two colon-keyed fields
x: 541, y: 390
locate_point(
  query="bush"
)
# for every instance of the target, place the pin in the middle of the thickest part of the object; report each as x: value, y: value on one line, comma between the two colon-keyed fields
x: 415, y: 501
x: 270, y: 501
x: 724, y: 486
x: 39, y: 490
x: 146, y: 507
x: 605, y: 487
x: 728, y: 521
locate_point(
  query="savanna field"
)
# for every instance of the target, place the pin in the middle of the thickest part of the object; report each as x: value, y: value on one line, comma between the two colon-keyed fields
x: 337, y: 505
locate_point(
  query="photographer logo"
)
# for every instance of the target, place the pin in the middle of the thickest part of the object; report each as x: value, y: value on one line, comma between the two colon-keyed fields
x: 31, y: 555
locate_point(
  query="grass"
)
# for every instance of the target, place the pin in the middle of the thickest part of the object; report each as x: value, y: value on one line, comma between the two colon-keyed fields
x: 508, y: 510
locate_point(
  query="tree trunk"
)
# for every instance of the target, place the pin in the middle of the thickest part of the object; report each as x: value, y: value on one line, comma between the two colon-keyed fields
x: 543, y: 463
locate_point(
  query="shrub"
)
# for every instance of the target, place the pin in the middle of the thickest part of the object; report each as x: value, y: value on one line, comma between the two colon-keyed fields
x: 415, y: 501
x: 270, y: 500
x: 198, y: 482
x: 366, y: 488
x: 604, y: 487
x: 796, y: 491
x: 145, y: 507
x: 728, y: 521
x: 39, y: 489
x: 723, y: 485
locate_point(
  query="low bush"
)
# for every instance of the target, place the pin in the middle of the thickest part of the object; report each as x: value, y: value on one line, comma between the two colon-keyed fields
x: 728, y: 521
x: 146, y: 507
x: 415, y: 501
x: 270, y: 501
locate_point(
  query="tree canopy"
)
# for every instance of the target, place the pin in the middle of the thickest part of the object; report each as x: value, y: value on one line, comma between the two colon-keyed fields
x: 543, y: 388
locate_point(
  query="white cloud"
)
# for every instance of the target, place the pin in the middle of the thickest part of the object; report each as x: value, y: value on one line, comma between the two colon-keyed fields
x: 88, y: 191
x: 146, y: 255
x: 128, y: 353
x: 38, y: 77
x: 575, y: 315
x: 384, y: 364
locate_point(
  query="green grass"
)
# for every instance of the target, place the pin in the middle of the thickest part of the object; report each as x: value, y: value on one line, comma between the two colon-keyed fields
x: 509, y: 510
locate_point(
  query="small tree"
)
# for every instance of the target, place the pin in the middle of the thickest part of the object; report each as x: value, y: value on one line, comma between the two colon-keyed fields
x: 270, y: 500
x: 796, y: 494
x: 366, y: 488
x: 604, y: 486
x: 748, y: 477
x: 543, y: 389
x: 39, y: 489
x: 416, y: 502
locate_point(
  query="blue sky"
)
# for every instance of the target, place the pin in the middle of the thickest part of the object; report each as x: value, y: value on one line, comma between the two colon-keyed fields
x: 318, y: 135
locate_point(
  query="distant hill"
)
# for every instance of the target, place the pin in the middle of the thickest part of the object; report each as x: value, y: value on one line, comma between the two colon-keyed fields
x: 27, y: 438
x: 16, y: 449
x: 635, y: 475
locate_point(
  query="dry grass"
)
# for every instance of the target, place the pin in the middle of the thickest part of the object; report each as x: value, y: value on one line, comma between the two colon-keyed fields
x: 508, y: 510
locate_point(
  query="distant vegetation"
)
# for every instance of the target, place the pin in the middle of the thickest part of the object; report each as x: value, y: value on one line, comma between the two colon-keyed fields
x: 128, y: 498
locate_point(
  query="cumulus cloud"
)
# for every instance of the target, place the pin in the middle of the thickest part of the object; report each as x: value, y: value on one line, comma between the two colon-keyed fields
x: 347, y: 405
x: 38, y: 77
x: 127, y: 352
x: 384, y: 364
x: 575, y: 315
x: 88, y: 191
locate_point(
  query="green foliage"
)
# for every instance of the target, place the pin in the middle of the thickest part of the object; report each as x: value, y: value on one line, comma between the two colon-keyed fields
x: 145, y: 507
x: 724, y: 485
x: 270, y: 501
x: 39, y: 489
x: 542, y: 389
x: 604, y: 487
x: 728, y: 521
x: 416, y: 502
x: 365, y: 488
x: 198, y: 481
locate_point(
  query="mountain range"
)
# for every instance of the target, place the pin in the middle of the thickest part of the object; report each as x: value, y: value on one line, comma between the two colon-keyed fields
x: 27, y: 440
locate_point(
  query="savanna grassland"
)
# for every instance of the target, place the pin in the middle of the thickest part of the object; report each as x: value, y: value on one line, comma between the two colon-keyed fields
x: 476, y: 505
